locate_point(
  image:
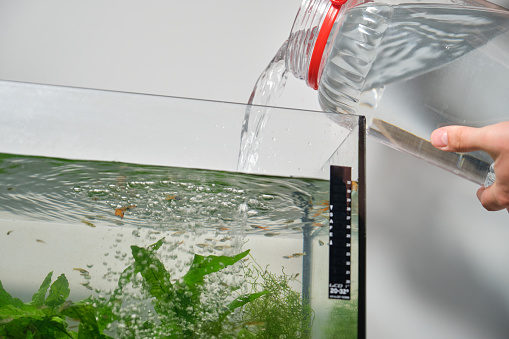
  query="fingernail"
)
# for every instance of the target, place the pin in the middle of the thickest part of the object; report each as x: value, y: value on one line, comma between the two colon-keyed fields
x: 439, y: 138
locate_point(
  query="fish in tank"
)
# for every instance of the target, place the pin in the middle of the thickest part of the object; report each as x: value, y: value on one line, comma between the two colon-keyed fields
x: 97, y: 249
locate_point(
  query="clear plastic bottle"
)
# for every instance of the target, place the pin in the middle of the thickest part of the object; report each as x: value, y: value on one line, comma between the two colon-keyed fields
x: 409, y: 67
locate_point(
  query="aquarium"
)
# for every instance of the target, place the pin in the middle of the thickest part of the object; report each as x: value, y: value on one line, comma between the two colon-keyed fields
x: 125, y: 215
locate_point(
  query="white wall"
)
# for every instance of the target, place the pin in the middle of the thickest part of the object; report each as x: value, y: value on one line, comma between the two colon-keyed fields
x: 438, y: 264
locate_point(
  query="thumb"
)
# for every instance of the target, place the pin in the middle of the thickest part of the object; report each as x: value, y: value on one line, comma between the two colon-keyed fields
x: 460, y: 139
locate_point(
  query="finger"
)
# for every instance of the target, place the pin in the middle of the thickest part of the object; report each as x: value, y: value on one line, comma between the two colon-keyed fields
x: 488, y: 198
x: 460, y: 139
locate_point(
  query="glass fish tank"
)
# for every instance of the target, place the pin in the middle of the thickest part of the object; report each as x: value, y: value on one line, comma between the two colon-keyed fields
x: 125, y: 215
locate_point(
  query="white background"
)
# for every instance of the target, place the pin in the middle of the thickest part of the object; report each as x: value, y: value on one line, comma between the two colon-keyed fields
x: 438, y: 263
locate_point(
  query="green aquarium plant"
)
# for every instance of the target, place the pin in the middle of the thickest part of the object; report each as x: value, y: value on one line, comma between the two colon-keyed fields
x: 45, y: 316
x: 343, y: 321
x: 179, y: 306
x: 282, y: 313
x: 149, y: 303
x: 179, y: 309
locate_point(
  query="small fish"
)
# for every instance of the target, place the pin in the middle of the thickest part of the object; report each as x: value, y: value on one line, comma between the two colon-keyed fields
x: 209, y: 239
x: 317, y: 224
x: 260, y: 227
x: 88, y: 223
x: 9, y: 232
x: 289, y: 221
x: 355, y: 186
x: 81, y: 270
x: 121, y: 181
x: 223, y: 228
x: 297, y: 228
x: 178, y: 233
x: 321, y: 243
x: 221, y: 247
x: 202, y: 245
x: 119, y: 212
x: 296, y: 255
x: 225, y: 239
x: 271, y: 234
x: 322, y: 210
x: 249, y: 323
x: 254, y: 323
x: 41, y: 241
x: 172, y: 197
x: 10, y: 188
x: 174, y: 246
x: 87, y: 286
x: 65, y: 305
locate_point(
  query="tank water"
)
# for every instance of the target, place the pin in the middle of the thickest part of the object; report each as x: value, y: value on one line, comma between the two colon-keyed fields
x: 409, y: 68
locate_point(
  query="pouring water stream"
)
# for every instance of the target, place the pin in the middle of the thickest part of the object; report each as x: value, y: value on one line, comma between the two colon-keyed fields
x: 267, y: 90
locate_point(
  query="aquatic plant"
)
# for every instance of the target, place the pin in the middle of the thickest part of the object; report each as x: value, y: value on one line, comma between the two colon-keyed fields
x: 181, y: 312
x: 45, y: 316
x: 343, y: 320
x: 282, y: 313
x: 148, y: 303
x: 178, y: 305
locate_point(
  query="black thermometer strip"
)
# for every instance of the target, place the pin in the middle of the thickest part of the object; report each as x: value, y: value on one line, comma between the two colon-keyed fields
x: 340, y: 232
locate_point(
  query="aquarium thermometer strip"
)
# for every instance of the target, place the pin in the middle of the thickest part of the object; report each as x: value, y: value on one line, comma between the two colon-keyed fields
x: 340, y: 232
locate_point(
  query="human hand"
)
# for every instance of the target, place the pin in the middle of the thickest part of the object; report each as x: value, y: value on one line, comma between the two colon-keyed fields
x: 494, y: 140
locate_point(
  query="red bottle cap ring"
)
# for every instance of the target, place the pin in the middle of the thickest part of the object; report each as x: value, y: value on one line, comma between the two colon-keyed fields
x: 321, y: 42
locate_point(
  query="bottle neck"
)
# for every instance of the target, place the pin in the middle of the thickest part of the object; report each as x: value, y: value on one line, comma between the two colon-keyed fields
x: 303, y: 36
x: 308, y: 44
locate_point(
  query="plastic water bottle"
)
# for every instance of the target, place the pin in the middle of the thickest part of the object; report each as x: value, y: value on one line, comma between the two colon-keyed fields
x: 409, y: 68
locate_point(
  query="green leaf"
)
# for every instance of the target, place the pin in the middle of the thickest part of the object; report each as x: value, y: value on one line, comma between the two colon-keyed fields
x: 242, y: 300
x: 157, y: 279
x: 58, y: 292
x: 201, y: 266
x: 11, y: 312
x: 7, y: 299
x: 85, y: 313
x: 36, y: 327
x: 154, y: 247
x: 38, y: 297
